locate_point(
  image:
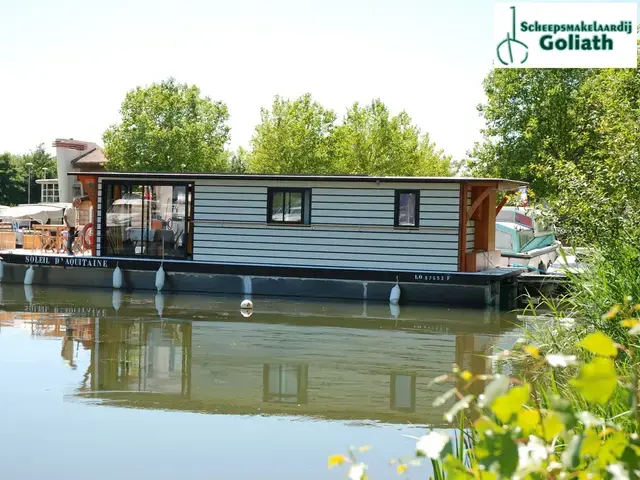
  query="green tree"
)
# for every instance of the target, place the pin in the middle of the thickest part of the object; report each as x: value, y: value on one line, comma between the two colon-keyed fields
x: 573, y: 134
x: 170, y: 127
x: 34, y: 162
x: 295, y: 136
x: 372, y: 142
x: 10, y: 192
x: 238, y: 161
x: 531, y: 125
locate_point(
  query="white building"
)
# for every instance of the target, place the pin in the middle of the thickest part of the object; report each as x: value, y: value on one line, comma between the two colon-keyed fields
x: 72, y: 156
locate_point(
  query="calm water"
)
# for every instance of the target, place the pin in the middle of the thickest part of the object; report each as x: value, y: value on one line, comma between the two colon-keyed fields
x: 102, y: 385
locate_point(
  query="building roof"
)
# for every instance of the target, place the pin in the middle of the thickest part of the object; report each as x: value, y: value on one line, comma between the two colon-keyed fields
x: 501, y: 183
x: 92, y: 158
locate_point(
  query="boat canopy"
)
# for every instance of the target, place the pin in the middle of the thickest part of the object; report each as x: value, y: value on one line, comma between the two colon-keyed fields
x: 38, y: 213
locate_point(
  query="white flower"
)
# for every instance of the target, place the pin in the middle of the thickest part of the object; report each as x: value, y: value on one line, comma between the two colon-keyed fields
x: 556, y: 360
x: 618, y: 472
x: 567, y: 322
x: 356, y: 471
x: 532, y: 454
x: 589, y: 419
x: 554, y: 466
x: 431, y: 445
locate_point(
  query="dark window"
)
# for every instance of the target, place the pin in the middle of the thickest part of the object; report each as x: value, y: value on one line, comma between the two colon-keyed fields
x: 407, y: 208
x: 289, y: 205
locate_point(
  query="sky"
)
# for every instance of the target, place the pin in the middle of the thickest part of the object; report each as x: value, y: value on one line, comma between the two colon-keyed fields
x: 66, y: 65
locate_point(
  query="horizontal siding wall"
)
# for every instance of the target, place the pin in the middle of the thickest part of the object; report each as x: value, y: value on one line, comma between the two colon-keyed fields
x: 351, y: 227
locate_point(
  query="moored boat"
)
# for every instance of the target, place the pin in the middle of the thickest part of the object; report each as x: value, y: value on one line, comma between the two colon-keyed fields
x: 523, y: 241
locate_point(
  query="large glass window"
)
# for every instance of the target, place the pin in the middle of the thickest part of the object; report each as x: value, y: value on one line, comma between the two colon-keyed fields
x: 407, y: 208
x: 288, y: 205
x: 145, y: 220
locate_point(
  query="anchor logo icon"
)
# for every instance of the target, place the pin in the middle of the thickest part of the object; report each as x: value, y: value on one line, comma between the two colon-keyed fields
x: 511, y: 43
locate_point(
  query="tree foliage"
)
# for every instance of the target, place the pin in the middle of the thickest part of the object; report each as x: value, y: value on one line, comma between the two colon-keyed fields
x: 301, y: 136
x: 168, y: 126
x: 574, y: 135
x: 14, y: 175
x: 295, y: 136
x: 372, y: 142
x: 10, y: 191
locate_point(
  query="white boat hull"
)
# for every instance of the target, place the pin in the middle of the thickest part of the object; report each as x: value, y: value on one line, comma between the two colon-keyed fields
x: 546, y: 255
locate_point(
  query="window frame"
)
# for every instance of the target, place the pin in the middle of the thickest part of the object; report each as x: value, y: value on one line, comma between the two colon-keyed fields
x: 396, y: 209
x: 106, y: 183
x: 304, y: 205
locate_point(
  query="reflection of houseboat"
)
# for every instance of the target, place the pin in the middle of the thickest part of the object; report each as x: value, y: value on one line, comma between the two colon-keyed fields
x: 243, y: 368
x: 523, y: 241
x: 323, y: 236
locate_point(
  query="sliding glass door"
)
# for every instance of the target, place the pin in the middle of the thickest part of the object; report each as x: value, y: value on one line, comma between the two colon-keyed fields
x: 146, y: 219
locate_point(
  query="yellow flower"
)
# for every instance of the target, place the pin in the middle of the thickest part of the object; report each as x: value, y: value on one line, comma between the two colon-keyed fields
x: 336, y: 460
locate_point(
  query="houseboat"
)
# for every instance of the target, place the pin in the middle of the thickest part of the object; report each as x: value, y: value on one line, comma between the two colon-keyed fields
x: 329, y: 236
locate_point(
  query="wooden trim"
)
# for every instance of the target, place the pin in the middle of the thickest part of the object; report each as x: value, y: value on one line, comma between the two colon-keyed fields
x: 478, y: 201
x: 327, y: 225
x: 462, y: 228
x: 502, y: 203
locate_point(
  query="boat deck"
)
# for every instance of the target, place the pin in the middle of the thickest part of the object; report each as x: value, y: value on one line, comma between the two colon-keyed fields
x: 26, y: 252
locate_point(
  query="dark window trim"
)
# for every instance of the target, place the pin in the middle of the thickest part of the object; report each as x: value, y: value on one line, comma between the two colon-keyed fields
x: 396, y: 209
x: 303, y: 209
x: 143, y: 182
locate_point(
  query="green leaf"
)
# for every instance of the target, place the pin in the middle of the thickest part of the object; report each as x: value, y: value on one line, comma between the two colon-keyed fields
x: 509, y: 456
x: 498, y: 387
x: 507, y: 405
x: 613, y: 447
x: 562, y: 407
x: 597, y: 380
x: 485, y: 424
x: 529, y: 421
x: 552, y: 426
x: 599, y: 344
x: 590, y: 444
x: 571, y: 456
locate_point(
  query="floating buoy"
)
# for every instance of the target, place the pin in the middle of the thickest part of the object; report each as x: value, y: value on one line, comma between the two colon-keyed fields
x: 160, y: 278
x: 1, y: 269
x: 28, y: 276
x: 246, y: 304
x: 160, y: 272
x: 116, y: 300
x: 28, y: 293
x: 159, y: 303
x: 117, y: 277
x: 246, y: 312
x: 394, y: 297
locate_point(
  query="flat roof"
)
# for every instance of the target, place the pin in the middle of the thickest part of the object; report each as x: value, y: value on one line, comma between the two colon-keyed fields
x: 503, y: 184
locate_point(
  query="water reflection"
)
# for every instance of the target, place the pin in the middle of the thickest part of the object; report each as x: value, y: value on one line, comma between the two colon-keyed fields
x: 71, y: 359
x: 258, y: 366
